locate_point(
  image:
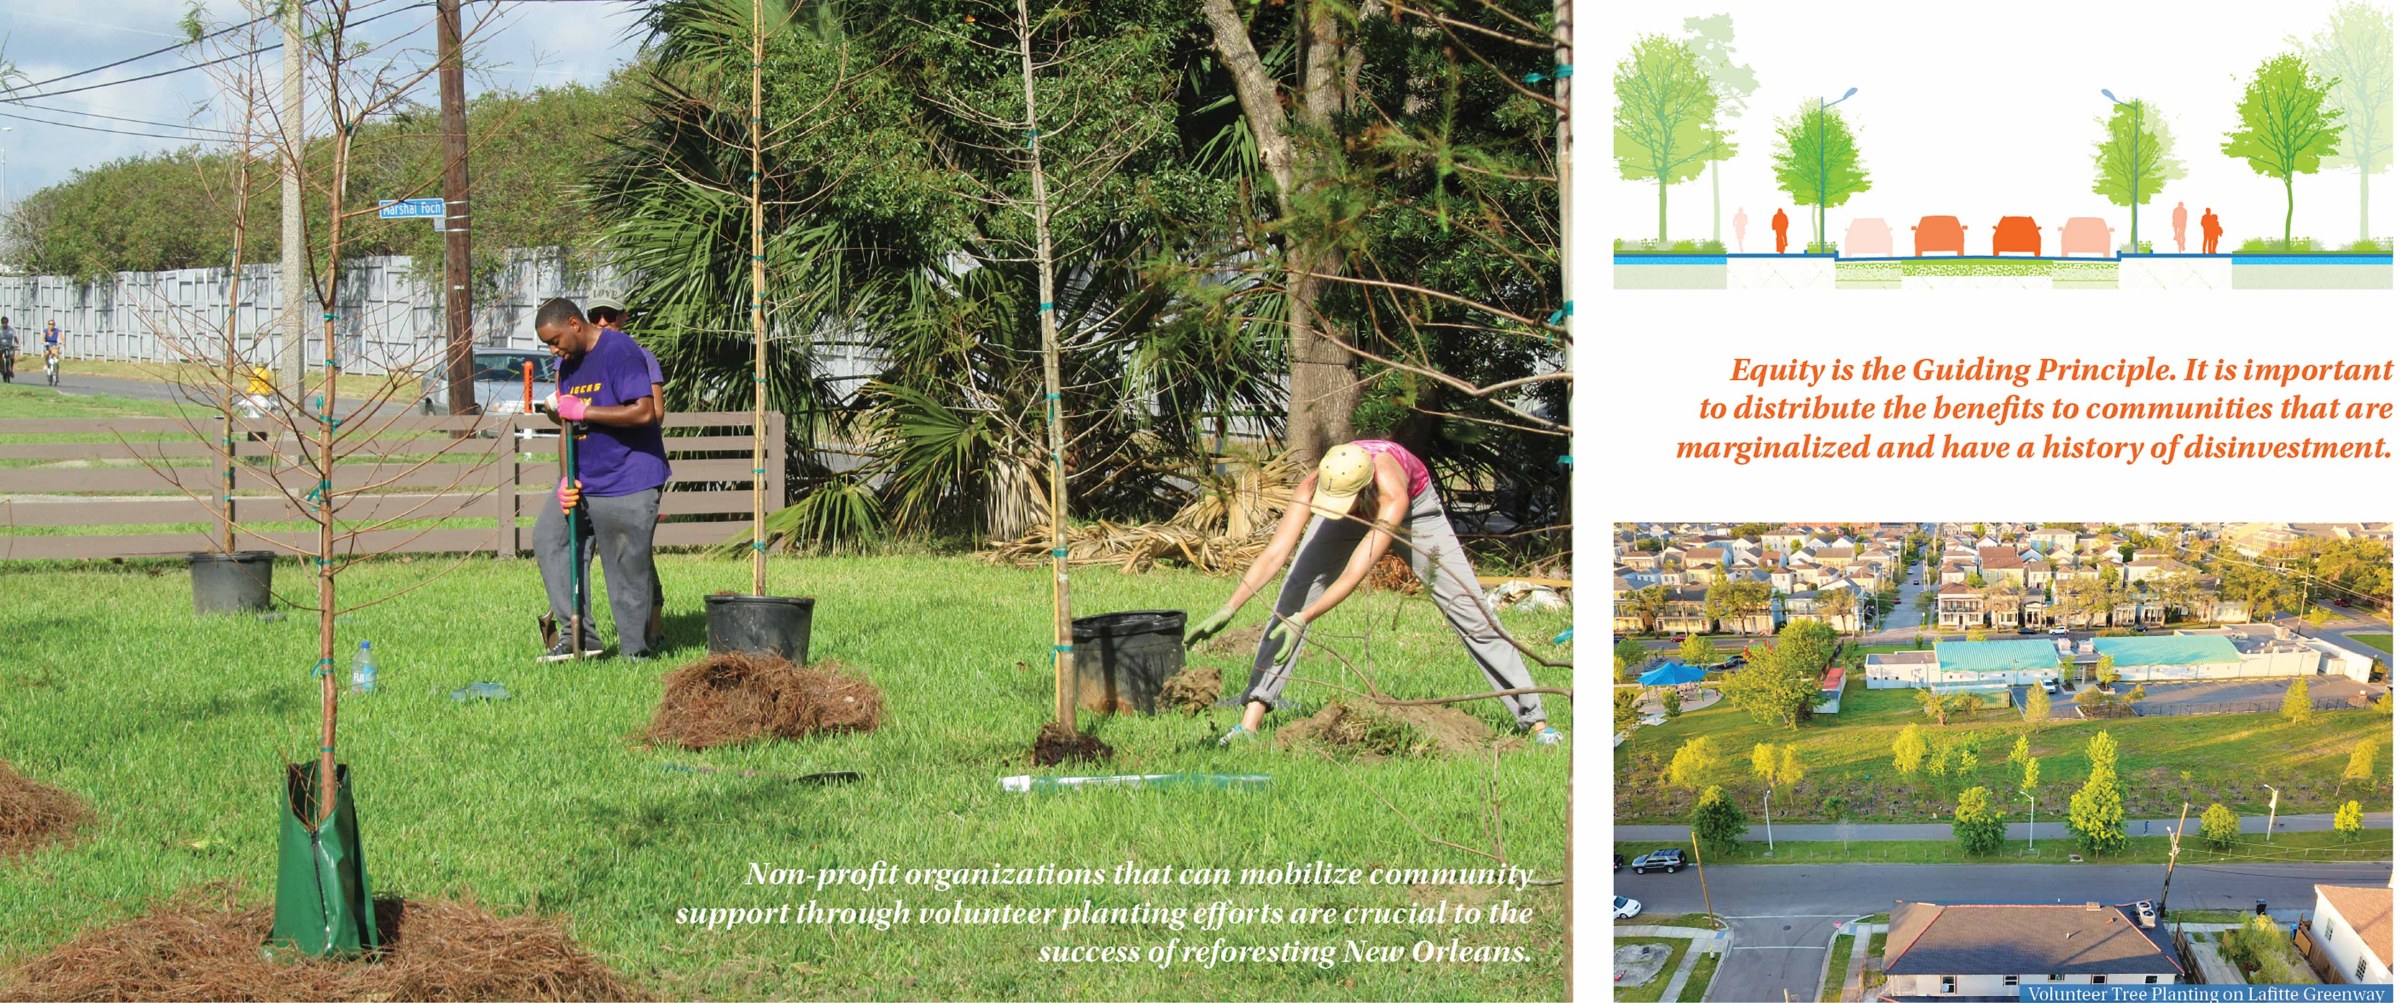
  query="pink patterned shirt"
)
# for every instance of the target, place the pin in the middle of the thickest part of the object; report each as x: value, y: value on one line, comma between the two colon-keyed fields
x: 1418, y: 478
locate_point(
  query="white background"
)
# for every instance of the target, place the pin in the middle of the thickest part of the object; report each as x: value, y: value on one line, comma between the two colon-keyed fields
x: 1954, y: 100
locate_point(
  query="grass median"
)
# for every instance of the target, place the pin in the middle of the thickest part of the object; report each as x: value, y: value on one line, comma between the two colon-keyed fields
x: 2289, y: 847
x: 172, y: 728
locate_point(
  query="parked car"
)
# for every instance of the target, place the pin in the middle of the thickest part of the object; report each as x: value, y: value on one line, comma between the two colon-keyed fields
x: 1628, y: 908
x: 499, y: 381
x: 2029, y: 630
x: 1868, y: 238
x: 1940, y: 233
x: 2338, y: 601
x: 2086, y: 233
x: 2050, y: 684
x: 1669, y: 861
x: 2058, y: 630
x: 2141, y: 628
x: 1620, y: 862
x: 2016, y: 233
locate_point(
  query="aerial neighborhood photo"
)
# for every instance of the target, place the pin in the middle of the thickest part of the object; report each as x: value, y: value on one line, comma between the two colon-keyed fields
x: 1949, y: 760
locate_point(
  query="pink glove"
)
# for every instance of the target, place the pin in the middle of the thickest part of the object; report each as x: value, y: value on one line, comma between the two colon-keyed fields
x: 572, y: 408
x: 568, y: 496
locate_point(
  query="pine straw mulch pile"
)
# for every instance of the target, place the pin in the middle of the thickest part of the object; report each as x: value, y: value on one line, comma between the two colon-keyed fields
x: 202, y: 947
x: 1365, y: 728
x: 1223, y: 528
x: 731, y: 698
x: 34, y: 814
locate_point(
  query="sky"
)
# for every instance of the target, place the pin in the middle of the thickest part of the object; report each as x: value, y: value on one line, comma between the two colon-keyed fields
x: 1988, y: 110
x: 523, y: 45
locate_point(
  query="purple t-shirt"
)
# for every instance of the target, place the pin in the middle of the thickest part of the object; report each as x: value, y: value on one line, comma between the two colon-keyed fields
x: 614, y: 461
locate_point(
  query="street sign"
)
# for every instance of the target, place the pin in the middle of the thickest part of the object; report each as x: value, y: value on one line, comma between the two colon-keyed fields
x: 411, y: 209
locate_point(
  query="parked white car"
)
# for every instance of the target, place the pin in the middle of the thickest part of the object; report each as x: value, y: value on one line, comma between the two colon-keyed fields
x: 1628, y: 908
x: 2058, y: 630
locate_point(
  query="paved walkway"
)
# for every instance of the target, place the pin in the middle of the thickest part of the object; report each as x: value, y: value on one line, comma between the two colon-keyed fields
x: 1820, y: 832
x: 1703, y: 942
x: 1854, y: 981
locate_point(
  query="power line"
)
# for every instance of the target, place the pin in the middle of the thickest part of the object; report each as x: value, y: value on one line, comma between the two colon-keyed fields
x: 96, y: 128
x: 120, y: 118
x: 107, y: 66
x: 9, y: 97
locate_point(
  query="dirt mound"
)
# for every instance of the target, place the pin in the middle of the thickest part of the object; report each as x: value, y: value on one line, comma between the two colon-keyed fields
x: 203, y: 948
x: 1241, y: 641
x: 1192, y: 690
x: 1058, y: 743
x: 731, y: 698
x: 1392, y: 574
x: 34, y: 814
x: 1367, y: 728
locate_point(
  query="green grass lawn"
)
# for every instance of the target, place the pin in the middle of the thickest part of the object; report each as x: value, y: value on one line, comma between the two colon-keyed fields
x: 1873, y: 976
x: 2164, y: 761
x: 1704, y: 971
x: 2383, y: 641
x: 1650, y: 992
x: 1837, y: 966
x: 35, y: 399
x: 1694, y: 920
x: 173, y: 730
x: 2375, y: 844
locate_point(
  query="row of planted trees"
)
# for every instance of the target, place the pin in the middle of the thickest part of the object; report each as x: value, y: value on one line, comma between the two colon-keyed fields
x: 2323, y: 102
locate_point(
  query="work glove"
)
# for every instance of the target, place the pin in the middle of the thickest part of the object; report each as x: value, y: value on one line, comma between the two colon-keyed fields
x: 1209, y: 626
x: 1285, y: 636
x: 569, y: 407
x: 569, y: 497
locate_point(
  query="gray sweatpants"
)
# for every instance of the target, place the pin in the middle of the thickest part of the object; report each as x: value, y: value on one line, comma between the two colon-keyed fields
x: 1434, y: 553
x: 621, y: 528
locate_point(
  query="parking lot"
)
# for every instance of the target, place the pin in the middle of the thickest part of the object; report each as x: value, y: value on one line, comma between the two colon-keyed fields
x: 2224, y: 696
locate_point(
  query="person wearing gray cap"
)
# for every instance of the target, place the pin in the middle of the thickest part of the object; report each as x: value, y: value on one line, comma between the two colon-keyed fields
x: 606, y: 307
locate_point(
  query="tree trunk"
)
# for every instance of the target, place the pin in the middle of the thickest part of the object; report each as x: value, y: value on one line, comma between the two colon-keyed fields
x: 2362, y: 204
x: 1322, y: 390
x: 2287, y: 212
x: 1062, y: 599
x: 1716, y: 207
x: 1662, y: 212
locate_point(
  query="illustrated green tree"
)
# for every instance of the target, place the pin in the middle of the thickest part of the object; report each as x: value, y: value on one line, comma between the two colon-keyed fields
x: 2134, y: 159
x: 2362, y: 763
x: 1908, y: 750
x: 2349, y: 820
x: 1978, y: 825
x: 1711, y: 42
x: 2354, y: 50
x: 2096, y: 814
x: 2037, y: 707
x: 2288, y: 128
x: 1817, y: 160
x: 1697, y: 651
x: 2297, y: 708
x: 1693, y: 761
x: 1666, y: 117
x: 2220, y: 827
x: 1717, y: 822
x: 1630, y: 655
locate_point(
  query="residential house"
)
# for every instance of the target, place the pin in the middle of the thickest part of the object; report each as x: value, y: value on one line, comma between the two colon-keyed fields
x: 1957, y: 607
x: 1786, y: 539
x: 2352, y: 931
x: 1627, y: 619
x: 1805, y: 606
x: 1687, y: 611
x: 1986, y: 952
x: 2050, y: 541
x: 2001, y: 564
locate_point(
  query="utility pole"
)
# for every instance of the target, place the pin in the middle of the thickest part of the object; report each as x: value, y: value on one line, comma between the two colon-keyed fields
x: 295, y: 271
x: 1705, y: 905
x: 457, y: 242
x: 2174, y: 846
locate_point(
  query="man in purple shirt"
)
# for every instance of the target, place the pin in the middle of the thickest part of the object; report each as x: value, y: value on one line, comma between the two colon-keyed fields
x: 607, y: 309
x: 604, y: 389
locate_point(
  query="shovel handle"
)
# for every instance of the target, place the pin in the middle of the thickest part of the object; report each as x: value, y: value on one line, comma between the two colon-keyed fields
x: 528, y: 386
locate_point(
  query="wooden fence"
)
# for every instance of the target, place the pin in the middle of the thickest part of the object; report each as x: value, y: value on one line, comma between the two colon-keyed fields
x: 62, y: 473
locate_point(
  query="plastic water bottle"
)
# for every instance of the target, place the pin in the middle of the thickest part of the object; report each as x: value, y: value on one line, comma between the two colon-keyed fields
x: 362, y: 671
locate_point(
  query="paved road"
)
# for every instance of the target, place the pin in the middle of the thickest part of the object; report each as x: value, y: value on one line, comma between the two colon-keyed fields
x: 1772, y: 954
x: 1812, y: 831
x: 1846, y: 891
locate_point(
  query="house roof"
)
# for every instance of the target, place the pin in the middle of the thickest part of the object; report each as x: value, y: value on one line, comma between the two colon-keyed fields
x: 1998, y: 558
x: 2368, y: 910
x: 1997, y: 656
x: 1833, y: 684
x: 1957, y: 589
x: 1931, y: 939
x: 2170, y: 649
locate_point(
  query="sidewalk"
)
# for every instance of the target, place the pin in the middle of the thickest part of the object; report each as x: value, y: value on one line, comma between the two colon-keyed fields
x: 1854, y: 981
x: 1703, y: 942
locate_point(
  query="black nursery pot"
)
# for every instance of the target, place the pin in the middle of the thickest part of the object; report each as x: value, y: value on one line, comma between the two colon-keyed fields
x: 1122, y: 660
x: 774, y: 625
x: 240, y: 582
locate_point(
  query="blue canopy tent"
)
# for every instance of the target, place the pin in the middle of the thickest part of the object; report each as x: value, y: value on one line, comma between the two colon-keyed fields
x: 1673, y: 674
